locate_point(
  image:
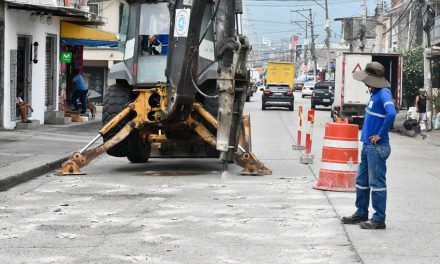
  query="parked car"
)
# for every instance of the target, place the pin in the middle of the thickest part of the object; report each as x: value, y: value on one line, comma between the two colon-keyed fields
x: 277, y: 95
x: 323, y: 94
x: 297, y: 86
x: 307, y: 89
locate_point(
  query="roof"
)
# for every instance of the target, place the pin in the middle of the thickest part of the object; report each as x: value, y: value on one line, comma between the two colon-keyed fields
x: 50, y: 7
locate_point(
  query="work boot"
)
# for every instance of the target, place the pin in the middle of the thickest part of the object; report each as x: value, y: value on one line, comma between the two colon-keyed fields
x: 371, y: 224
x: 354, y: 219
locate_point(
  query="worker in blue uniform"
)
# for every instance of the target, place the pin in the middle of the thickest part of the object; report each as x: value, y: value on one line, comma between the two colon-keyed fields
x: 371, y: 175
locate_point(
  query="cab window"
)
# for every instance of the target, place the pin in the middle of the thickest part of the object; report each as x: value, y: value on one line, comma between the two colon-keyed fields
x: 154, y: 29
x: 153, y: 42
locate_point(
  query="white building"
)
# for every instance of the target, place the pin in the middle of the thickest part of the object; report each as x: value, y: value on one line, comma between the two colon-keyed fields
x: 30, y: 48
x: 28, y: 39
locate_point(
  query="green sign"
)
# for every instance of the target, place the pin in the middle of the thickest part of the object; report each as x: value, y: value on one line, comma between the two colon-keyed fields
x: 66, y: 57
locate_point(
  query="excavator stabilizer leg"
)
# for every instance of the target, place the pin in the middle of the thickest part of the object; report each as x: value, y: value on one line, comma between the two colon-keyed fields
x: 247, y: 159
x: 244, y: 157
x: 251, y: 165
x: 73, y: 165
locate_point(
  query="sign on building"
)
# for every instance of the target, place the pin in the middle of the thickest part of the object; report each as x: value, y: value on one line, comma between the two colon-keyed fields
x: 66, y: 57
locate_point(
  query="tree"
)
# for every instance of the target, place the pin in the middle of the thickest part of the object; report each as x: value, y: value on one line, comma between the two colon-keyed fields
x: 412, y: 74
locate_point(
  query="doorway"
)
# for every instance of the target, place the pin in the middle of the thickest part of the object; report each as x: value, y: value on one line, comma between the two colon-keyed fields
x: 50, y: 72
x: 21, y: 74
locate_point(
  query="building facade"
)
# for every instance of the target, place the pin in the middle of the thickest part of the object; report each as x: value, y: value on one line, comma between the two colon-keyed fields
x: 30, y: 63
x: 31, y: 43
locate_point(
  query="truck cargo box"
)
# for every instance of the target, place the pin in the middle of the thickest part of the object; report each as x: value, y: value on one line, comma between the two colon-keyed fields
x: 351, y: 96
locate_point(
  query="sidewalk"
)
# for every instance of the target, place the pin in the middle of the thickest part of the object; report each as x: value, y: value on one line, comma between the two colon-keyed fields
x: 433, y: 136
x: 26, y: 154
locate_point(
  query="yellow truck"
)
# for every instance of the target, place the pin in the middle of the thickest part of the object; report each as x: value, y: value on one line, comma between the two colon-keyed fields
x: 280, y: 72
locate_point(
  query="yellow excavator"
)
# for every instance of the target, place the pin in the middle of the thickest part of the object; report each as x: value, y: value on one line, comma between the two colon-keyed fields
x: 181, y: 89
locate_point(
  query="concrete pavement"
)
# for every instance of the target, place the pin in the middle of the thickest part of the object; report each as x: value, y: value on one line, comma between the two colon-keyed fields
x: 413, y: 218
x: 25, y: 154
x: 137, y: 216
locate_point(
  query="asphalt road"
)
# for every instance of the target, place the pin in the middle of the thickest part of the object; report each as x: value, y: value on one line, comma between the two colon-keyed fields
x: 184, y: 211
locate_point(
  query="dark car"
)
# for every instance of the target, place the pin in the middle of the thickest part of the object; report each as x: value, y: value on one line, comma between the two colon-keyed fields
x: 297, y: 86
x: 323, y: 94
x: 277, y: 95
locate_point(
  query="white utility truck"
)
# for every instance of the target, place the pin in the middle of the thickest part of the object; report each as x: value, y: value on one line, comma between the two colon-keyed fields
x: 351, y: 96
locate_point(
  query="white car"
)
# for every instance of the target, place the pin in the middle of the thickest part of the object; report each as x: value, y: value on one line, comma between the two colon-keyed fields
x: 307, y: 89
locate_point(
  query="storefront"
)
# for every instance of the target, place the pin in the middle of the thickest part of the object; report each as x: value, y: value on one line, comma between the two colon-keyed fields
x: 73, y: 40
x: 30, y: 63
x: 29, y: 60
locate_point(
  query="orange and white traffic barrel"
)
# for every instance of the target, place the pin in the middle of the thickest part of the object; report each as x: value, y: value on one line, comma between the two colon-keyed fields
x: 339, y: 162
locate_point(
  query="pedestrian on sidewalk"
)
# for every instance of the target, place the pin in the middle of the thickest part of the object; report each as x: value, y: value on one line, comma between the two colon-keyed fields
x: 80, y: 92
x: 421, y: 99
x: 23, y: 107
x: 371, y: 175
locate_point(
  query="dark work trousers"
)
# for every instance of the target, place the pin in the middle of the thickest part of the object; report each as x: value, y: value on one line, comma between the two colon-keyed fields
x: 82, y: 96
x: 371, y: 178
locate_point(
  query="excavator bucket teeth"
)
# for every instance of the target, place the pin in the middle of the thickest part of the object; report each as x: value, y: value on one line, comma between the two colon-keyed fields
x: 72, y: 165
x: 251, y: 165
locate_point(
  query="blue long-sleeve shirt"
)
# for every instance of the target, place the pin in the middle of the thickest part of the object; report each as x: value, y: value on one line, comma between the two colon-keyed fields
x: 379, y: 117
x: 79, y: 82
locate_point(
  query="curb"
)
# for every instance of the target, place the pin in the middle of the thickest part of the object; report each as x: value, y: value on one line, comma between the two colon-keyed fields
x: 409, y: 133
x: 17, y: 179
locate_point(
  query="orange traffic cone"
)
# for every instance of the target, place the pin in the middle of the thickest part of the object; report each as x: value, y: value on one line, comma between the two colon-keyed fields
x: 339, y: 160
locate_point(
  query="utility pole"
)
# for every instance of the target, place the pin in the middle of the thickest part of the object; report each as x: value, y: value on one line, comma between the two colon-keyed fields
x: 363, y: 32
x: 379, y: 26
x: 327, y: 42
x: 427, y: 83
x: 408, y: 44
x: 305, y: 28
x: 313, y: 43
x: 306, y: 46
x: 291, y: 50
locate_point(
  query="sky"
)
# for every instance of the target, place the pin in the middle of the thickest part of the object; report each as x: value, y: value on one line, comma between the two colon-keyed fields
x: 272, y: 19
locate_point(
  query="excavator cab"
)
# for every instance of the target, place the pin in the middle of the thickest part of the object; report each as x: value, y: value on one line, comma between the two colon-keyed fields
x: 145, y: 35
x: 181, y: 88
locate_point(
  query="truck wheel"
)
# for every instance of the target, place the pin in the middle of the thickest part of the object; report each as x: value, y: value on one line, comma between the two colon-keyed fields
x: 138, y: 153
x: 210, y: 104
x: 248, y: 98
x: 263, y: 107
x: 334, y: 115
x: 116, y: 97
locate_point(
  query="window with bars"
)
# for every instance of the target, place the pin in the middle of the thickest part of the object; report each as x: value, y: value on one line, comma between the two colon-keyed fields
x: 94, y: 8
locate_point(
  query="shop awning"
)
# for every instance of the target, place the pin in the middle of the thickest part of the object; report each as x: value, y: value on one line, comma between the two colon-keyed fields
x: 72, y: 34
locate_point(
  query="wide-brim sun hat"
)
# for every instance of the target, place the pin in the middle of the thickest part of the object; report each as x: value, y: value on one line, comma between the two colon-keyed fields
x: 372, y: 75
